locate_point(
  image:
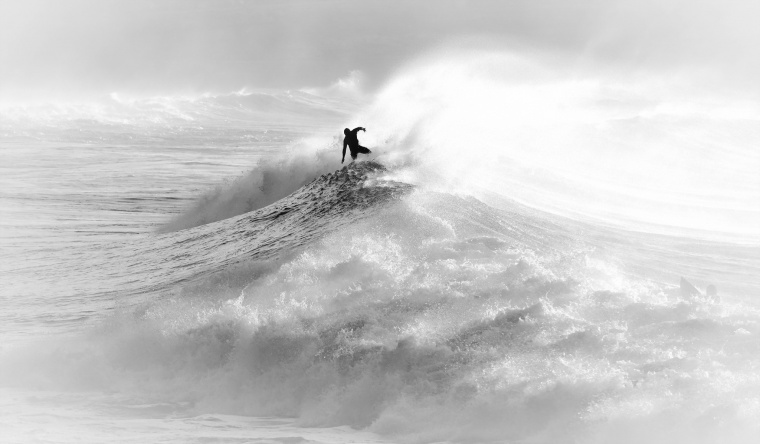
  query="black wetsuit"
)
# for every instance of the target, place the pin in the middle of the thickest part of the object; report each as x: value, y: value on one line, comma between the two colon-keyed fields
x: 353, y: 143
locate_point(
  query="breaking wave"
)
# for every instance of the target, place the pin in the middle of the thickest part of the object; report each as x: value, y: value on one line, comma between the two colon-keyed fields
x: 607, y: 148
x: 419, y: 315
x: 394, y: 296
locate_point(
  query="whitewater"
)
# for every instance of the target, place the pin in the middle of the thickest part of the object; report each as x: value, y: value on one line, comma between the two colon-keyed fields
x: 531, y: 254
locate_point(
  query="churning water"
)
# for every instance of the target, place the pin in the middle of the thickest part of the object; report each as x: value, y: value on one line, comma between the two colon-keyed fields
x: 506, y: 267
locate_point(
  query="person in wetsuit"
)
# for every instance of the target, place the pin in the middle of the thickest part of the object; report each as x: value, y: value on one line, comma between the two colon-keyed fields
x: 353, y: 143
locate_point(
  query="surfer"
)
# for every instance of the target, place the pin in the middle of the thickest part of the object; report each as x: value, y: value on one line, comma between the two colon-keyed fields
x: 353, y: 143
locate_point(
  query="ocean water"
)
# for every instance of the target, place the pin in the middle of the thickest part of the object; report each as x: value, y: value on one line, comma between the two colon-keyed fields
x: 523, y: 258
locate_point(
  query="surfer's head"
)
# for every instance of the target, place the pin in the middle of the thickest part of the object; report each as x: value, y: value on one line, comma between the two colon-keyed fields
x: 346, y: 131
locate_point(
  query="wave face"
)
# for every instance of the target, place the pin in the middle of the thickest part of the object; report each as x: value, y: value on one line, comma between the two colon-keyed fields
x: 272, y: 180
x: 158, y: 263
x: 415, y: 314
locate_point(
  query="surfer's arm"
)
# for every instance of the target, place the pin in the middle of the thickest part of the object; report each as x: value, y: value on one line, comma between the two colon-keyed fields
x: 344, y: 151
x: 358, y: 128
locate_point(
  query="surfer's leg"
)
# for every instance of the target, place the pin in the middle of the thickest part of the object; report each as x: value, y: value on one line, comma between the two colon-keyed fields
x: 363, y: 150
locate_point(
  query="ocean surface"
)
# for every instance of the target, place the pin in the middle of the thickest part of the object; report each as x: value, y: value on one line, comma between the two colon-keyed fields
x: 520, y: 261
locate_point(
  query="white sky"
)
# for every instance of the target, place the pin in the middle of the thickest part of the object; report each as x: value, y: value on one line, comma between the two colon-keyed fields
x: 50, y: 47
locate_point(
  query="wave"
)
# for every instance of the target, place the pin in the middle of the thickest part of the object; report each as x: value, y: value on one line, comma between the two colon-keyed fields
x: 159, y: 262
x: 270, y: 181
x: 641, y: 153
x: 424, y: 316
x: 392, y: 297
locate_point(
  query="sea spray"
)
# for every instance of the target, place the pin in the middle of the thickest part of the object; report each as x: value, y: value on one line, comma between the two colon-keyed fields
x: 438, y: 318
x: 611, y: 147
x: 615, y: 149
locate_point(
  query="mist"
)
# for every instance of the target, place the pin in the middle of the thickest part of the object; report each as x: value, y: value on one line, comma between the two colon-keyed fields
x: 84, y: 48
